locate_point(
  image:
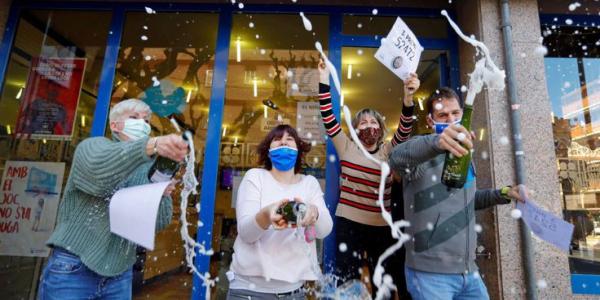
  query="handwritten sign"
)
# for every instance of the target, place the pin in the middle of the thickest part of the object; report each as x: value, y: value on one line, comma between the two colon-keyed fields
x: 547, y: 226
x: 400, y: 51
x: 28, y: 207
x: 308, y: 122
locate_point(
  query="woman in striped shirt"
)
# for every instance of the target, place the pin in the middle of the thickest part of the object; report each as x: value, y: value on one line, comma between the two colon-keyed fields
x: 360, y: 227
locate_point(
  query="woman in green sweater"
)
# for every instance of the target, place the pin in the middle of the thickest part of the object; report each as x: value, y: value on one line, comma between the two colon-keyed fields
x: 88, y: 261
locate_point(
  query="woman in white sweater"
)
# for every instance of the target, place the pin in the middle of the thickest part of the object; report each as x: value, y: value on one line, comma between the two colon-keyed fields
x: 271, y: 259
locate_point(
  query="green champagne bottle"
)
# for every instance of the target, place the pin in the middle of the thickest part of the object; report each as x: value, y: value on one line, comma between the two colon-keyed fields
x: 456, y: 169
x: 291, y: 210
x: 163, y: 168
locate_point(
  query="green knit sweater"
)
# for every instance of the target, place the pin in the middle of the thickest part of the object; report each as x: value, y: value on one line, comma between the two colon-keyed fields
x: 100, y: 167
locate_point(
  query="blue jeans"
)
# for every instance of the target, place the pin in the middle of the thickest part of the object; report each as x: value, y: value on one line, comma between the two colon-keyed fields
x: 65, y: 277
x: 438, y: 286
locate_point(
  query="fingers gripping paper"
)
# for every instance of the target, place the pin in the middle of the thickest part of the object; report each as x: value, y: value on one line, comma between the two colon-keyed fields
x: 133, y: 212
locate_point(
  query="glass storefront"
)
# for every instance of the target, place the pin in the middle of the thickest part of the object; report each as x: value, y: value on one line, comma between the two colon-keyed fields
x: 271, y: 79
x: 167, y: 59
x: 573, y: 82
x: 42, y: 119
x: 173, y: 75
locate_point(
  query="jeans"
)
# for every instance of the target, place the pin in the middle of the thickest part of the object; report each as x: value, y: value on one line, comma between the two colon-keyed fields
x: 438, y: 286
x: 65, y: 277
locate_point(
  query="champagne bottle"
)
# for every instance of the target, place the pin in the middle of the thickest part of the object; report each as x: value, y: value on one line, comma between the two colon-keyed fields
x: 456, y: 169
x: 291, y: 210
x: 163, y: 168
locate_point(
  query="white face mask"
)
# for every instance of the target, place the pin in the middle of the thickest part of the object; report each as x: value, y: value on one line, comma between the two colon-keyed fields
x: 136, y: 129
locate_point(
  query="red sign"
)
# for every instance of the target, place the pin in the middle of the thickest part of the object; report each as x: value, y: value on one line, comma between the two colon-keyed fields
x: 51, y: 96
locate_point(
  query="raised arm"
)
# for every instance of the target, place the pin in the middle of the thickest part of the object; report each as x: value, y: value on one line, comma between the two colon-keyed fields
x: 406, y: 157
x: 405, y: 125
x: 100, y: 164
x: 333, y: 127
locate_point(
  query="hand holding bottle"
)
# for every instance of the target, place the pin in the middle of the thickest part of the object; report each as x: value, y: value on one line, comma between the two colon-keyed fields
x: 171, y: 146
x: 268, y: 216
x: 310, y: 216
x: 456, y: 139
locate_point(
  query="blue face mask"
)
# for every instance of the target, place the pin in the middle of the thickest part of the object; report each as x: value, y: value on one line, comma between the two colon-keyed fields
x: 439, y: 126
x: 283, y: 158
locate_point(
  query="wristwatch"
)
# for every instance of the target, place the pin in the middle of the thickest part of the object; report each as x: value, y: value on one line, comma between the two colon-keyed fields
x: 504, y: 192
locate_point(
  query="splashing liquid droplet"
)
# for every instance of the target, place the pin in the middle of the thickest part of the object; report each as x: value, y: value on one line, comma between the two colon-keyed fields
x: 306, y: 22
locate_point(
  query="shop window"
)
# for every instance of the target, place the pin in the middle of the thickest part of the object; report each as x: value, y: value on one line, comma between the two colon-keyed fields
x: 573, y: 82
x: 167, y: 60
x: 434, y: 28
x: 46, y: 108
x: 272, y: 79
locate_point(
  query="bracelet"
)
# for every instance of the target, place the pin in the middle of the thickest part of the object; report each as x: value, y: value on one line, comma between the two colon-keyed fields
x: 504, y: 192
x: 155, y: 149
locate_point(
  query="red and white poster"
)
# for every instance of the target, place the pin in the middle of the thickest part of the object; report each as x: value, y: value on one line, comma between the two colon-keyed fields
x: 51, y: 96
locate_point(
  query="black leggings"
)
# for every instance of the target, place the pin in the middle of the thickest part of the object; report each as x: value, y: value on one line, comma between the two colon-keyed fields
x: 374, y: 240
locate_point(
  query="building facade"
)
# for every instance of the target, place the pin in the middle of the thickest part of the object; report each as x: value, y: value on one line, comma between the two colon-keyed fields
x: 231, y: 71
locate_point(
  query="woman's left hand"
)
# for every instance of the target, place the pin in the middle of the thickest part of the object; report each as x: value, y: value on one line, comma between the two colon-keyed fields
x: 311, y: 216
x: 411, y: 85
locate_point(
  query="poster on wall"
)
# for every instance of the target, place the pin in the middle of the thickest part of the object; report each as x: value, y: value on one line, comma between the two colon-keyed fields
x: 30, y: 194
x: 49, y: 103
x: 308, y: 122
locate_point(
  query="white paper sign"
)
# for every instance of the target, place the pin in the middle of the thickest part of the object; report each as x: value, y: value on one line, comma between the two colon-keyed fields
x: 546, y: 225
x: 133, y: 212
x: 30, y: 194
x: 308, y: 122
x: 400, y: 51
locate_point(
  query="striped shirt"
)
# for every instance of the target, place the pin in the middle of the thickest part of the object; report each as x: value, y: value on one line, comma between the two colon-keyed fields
x: 360, y: 176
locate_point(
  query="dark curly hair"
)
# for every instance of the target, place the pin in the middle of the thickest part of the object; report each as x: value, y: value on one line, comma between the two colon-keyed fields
x: 277, y: 132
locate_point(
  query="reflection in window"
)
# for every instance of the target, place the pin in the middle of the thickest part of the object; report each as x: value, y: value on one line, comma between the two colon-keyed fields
x: 50, y: 90
x: 573, y: 83
x: 380, y: 26
x: 167, y: 61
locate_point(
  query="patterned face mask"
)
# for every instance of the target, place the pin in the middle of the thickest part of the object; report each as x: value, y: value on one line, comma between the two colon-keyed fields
x: 370, y: 135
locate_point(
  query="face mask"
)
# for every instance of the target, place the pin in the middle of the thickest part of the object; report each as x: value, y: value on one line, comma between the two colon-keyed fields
x: 136, y: 129
x: 439, y: 126
x: 369, y: 136
x: 283, y: 158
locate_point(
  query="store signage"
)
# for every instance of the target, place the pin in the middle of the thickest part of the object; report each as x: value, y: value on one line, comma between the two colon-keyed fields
x: 308, y: 122
x: 30, y: 195
x: 267, y: 125
x: 51, y: 95
x: 400, y: 51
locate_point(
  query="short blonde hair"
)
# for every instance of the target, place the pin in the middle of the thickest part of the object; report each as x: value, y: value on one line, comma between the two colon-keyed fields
x: 124, y: 106
x: 375, y: 114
